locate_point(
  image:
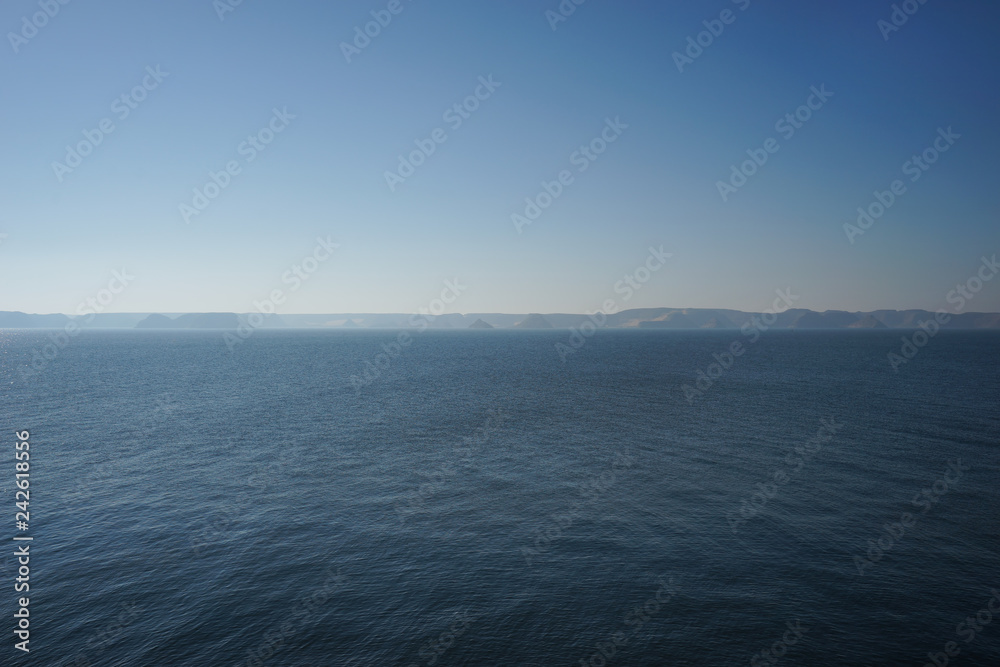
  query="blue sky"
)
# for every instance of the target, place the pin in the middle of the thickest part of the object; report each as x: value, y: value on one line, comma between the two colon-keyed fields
x: 324, y: 174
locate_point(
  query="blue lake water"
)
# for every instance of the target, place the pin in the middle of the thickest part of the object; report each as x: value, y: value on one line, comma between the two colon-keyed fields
x: 483, y: 502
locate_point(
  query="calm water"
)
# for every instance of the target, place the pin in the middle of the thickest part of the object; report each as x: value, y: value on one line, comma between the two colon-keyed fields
x: 481, y: 502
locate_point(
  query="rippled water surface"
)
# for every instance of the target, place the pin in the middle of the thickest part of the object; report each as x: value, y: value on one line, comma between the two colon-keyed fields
x: 483, y: 502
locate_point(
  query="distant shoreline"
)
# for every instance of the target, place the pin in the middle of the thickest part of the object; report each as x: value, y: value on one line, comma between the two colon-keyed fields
x: 659, y: 319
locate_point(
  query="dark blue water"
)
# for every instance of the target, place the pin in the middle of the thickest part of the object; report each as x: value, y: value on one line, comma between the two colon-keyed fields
x: 482, y: 502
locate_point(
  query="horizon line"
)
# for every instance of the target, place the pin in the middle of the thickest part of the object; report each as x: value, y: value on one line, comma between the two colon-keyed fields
x: 499, y: 312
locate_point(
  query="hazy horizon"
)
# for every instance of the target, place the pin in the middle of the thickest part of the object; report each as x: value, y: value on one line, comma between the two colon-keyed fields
x: 492, y: 312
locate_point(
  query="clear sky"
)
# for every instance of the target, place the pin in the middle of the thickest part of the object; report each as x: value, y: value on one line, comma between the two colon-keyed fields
x: 324, y: 173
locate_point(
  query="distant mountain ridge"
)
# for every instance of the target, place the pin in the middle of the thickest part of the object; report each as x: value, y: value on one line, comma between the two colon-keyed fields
x: 533, y: 321
x: 636, y: 318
